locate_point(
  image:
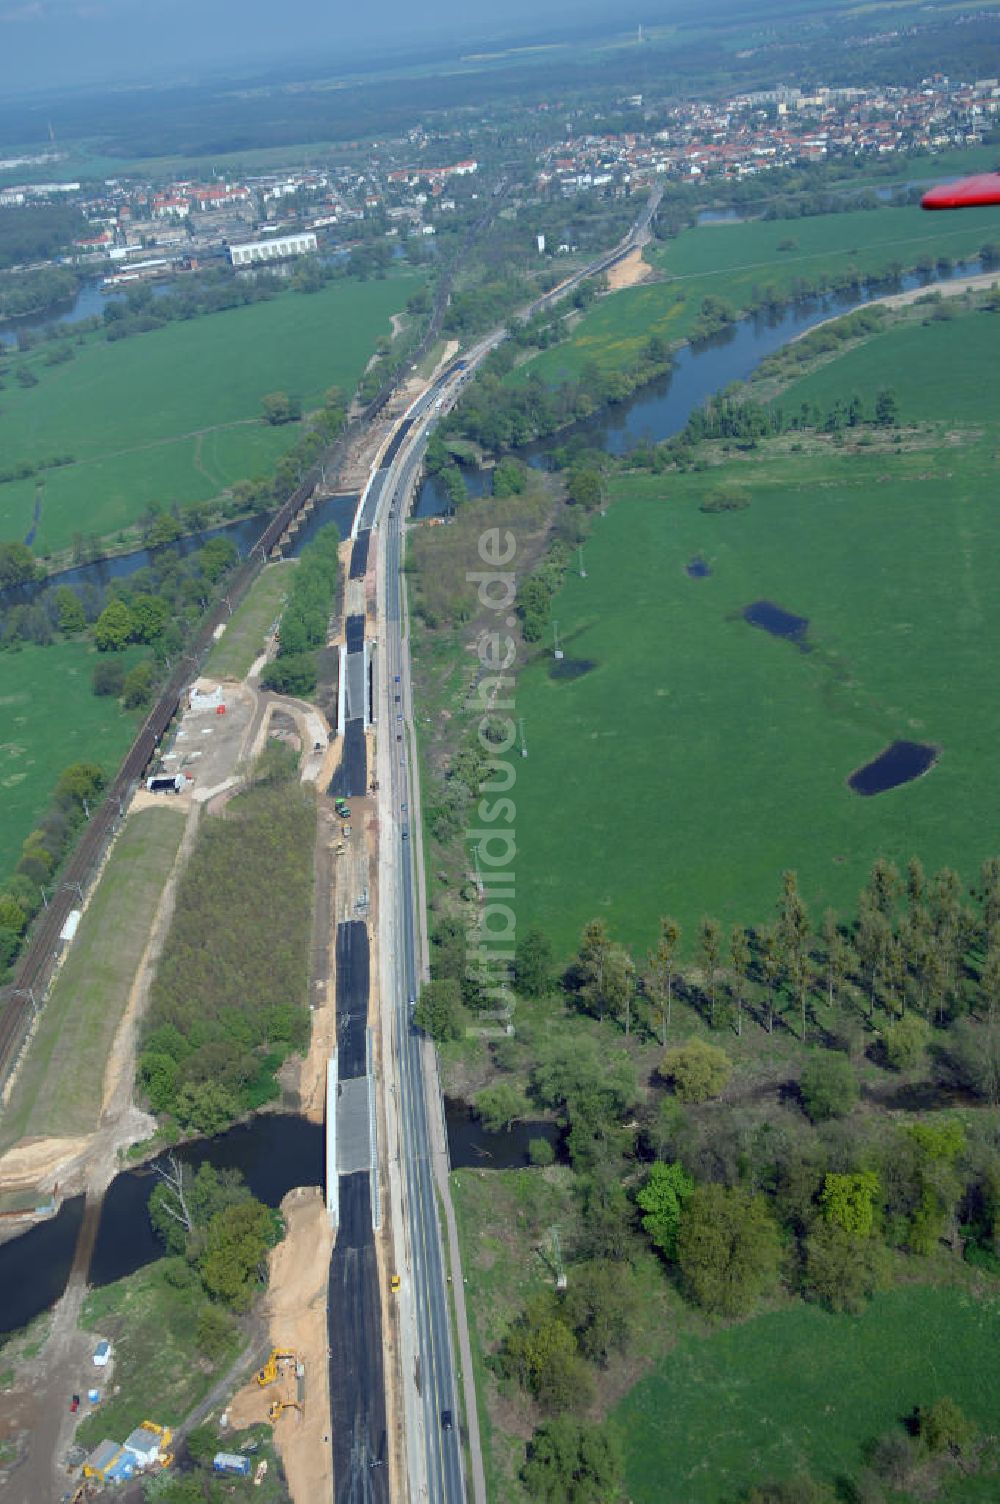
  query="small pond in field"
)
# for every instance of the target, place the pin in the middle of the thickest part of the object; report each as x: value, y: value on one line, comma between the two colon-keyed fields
x: 899, y: 763
x: 570, y: 668
x: 472, y: 1148
x: 697, y: 569
x: 778, y: 621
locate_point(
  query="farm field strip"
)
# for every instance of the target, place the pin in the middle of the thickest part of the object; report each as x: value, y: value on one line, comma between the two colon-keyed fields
x: 59, y: 1090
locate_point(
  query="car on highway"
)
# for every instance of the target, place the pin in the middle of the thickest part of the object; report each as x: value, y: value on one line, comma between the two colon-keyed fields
x: 447, y: 1420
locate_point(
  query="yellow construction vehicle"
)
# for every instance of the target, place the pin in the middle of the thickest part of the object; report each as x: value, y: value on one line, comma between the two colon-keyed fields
x: 279, y: 1405
x: 163, y: 1432
x: 269, y: 1373
x: 394, y: 1283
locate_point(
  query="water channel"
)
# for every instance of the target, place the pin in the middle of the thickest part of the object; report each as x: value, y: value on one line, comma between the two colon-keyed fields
x: 276, y: 1152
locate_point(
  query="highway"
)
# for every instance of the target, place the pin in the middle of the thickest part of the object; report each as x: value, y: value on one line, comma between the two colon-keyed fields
x: 440, y: 1476
x: 434, y: 1450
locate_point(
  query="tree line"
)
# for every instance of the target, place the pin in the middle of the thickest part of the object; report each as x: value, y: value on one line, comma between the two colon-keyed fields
x: 77, y: 790
x: 305, y: 620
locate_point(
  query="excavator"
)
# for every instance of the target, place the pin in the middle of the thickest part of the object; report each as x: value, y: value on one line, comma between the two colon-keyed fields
x: 279, y: 1406
x: 269, y: 1373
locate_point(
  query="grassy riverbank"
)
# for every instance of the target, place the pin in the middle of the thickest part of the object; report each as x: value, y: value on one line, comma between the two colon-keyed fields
x: 737, y: 261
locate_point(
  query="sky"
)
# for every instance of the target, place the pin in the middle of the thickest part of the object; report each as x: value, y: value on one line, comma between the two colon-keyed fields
x: 56, y: 44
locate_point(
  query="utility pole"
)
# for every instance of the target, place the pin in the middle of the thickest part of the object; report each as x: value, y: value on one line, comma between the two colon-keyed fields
x: 29, y: 993
x: 582, y: 571
x: 557, y: 651
x: 557, y: 1255
x: 524, y: 744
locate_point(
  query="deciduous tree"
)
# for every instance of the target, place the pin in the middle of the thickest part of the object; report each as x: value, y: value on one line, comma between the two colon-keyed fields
x: 662, y: 1200
x: 727, y: 1249
x: 698, y: 1070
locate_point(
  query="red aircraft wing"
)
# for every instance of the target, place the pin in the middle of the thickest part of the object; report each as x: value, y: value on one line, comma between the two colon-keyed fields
x: 967, y: 193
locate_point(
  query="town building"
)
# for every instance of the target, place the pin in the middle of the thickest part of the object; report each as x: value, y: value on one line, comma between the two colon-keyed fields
x: 277, y: 248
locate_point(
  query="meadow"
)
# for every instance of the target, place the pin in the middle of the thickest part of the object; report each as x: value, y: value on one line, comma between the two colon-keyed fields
x: 801, y: 1390
x: 174, y: 415
x: 694, y: 757
x: 943, y: 371
x: 160, y: 1372
x: 50, y: 719
x: 246, y: 632
x: 737, y: 260
x: 59, y: 1091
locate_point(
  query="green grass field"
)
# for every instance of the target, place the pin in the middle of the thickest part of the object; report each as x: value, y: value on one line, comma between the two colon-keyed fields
x: 247, y: 629
x: 151, y: 1321
x: 735, y: 260
x: 174, y: 415
x: 50, y: 719
x: 941, y: 372
x: 59, y: 1090
x: 700, y: 756
x: 800, y: 1390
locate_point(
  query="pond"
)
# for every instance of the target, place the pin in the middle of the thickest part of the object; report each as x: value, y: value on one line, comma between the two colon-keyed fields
x: 433, y: 501
x: 900, y: 763
x: 778, y: 621
x: 470, y: 1147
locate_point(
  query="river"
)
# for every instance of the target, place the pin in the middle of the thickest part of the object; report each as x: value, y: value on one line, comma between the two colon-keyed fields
x: 275, y: 1152
x: 243, y: 533
x: 661, y: 409
x: 90, y: 302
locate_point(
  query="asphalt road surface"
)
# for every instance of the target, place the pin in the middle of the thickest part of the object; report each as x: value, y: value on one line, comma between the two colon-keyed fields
x: 350, y: 781
x: 352, y: 999
x: 359, y: 555
x: 357, y: 1377
x: 428, y: 1274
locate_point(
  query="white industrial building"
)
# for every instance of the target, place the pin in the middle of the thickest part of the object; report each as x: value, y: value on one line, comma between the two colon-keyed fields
x: 276, y: 248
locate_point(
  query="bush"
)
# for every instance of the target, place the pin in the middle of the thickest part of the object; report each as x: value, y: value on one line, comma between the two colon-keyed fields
x: 294, y: 675
x: 842, y: 1271
x: 828, y: 1087
x: 727, y: 1249
x: 108, y: 678
x: 943, y: 1428
x: 541, y: 1152
x: 213, y: 1334
x: 439, y: 1012
x: 697, y: 1070
x: 905, y: 1042
x: 497, y: 1106
x: 138, y: 685
x: 725, y: 500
